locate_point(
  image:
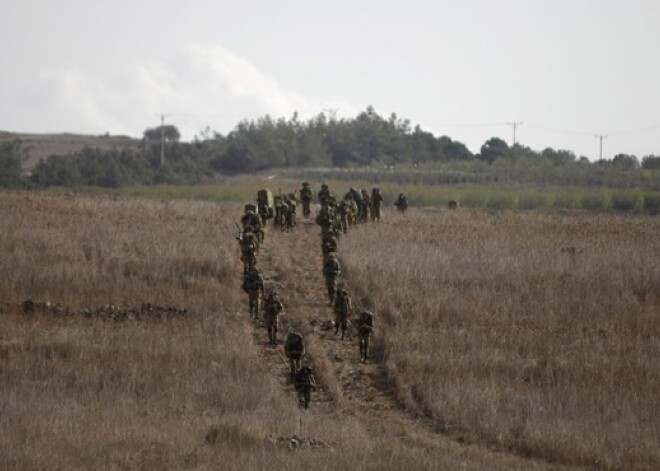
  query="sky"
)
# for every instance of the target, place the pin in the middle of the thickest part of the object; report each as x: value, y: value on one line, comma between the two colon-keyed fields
x: 569, y: 71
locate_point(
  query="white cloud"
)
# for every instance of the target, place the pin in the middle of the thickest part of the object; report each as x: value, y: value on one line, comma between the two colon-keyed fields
x: 200, y: 85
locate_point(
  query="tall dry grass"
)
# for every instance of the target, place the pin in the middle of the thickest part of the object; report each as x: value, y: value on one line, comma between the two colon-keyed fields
x: 194, y: 391
x: 533, y: 332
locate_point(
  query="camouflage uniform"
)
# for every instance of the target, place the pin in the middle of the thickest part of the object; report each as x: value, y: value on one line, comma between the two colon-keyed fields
x: 294, y: 349
x: 272, y: 309
x: 331, y: 271
x: 253, y: 285
x: 342, y: 215
x: 250, y: 218
x: 304, y: 383
x: 366, y: 204
x: 306, y: 198
x: 401, y: 203
x: 290, y: 219
x: 376, y: 200
x: 342, y: 307
x: 356, y: 196
x: 324, y: 194
x: 278, y: 219
x: 365, y: 329
x: 328, y: 244
x: 325, y: 219
x: 249, y: 249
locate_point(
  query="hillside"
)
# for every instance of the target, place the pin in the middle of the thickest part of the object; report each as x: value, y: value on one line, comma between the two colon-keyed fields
x: 41, y: 146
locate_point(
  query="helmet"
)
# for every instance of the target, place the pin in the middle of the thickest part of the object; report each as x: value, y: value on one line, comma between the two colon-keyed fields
x: 305, y: 184
x: 324, y: 186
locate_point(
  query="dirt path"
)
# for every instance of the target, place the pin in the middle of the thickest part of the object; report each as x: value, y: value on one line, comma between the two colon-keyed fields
x: 293, y: 261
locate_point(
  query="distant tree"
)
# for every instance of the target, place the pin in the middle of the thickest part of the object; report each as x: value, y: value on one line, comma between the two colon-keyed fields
x: 651, y: 162
x: 625, y: 162
x: 10, y: 163
x: 492, y: 149
x: 558, y: 157
x: 168, y: 131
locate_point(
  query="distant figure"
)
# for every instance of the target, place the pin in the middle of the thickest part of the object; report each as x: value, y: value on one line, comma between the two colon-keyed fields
x: 342, y: 306
x: 331, y: 271
x: 294, y: 350
x: 401, y: 203
x: 365, y: 329
x: 272, y: 309
x: 453, y: 205
x: 253, y: 285
x: 306, y: 198
x: 304, y: 383
x: 376, y: 200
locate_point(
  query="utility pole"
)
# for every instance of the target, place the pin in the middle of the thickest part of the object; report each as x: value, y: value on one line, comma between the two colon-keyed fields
x: 600, y: 138
x: 162, y: 138
x: 514, y: 125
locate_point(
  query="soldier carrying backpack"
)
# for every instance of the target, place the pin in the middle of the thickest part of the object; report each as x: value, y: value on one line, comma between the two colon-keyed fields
x: 365, y: 327
x: 294, y: 350
x: 272, y: 309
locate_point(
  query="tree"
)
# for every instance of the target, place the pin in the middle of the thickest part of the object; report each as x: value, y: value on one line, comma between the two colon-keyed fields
x: 651, y: 162
x: 10, y: 164
x: 625, y: 162
x: 492, y: 149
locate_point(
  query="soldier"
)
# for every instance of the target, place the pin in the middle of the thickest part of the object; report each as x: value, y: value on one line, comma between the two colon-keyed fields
x: 324, y: 194
x: 304, y: 383
x: 342, y: 215
x: 306, y: 198
x: 249, y: 249
x: 325, y: 219
x: 366, y: 205
x: 376, y: 200
x: 277, y: 220
x: 272, y: 309
x: 331, y: 271
x: 342, y: 307
x: 290, y: 218
x: 251, y: 218
x: 401, y: 203
x: 328, y: 244
x: 365, y: 328
x: 294, y: 349
x: 253, y: 285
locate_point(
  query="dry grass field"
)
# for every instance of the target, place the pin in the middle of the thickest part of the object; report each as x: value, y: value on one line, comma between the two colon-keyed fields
x: 494, y: 348
x: 534, y: 332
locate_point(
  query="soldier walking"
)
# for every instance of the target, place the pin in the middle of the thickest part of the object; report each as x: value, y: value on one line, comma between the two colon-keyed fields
x: 253, y: 285
x: 294, y: 350
x: 304, y: 383
x: 331, y: 271
x: 365, y: 328
x: 342, y: 306
x: 272, y: 309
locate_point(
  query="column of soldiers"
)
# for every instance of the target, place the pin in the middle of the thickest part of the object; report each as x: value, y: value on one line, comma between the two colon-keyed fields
x: 251, y: 235
x: 334, y: 218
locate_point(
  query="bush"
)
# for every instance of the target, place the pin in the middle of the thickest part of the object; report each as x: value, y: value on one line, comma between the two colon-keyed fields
x: 567, y: 201
x: 627, y: 201
x: 534, y: 200
x: 595, y: 201
x: 652, y: 201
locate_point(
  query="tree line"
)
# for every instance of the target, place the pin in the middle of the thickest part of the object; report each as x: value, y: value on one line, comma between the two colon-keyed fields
x: 368, y: 140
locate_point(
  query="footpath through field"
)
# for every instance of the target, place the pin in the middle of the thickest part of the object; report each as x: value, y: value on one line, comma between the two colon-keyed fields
x: 293, y: 263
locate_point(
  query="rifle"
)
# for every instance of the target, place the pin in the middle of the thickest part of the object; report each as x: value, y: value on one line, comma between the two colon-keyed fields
x: 240, y: 232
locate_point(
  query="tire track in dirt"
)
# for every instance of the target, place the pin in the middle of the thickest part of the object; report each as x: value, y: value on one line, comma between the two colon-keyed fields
x: 292, y: 262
